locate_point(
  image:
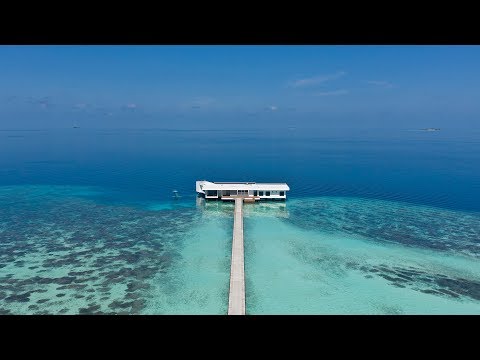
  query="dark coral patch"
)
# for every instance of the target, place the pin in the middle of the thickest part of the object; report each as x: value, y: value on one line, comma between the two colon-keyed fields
x: 134, y: 286
x: 418, y: 280
x: 115, y: 245
x: 25, y: 297
x: 391, y: 222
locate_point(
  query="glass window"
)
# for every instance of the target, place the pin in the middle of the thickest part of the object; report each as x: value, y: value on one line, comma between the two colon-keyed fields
x: 282, y: 193
x: 255, y: 192
x: 267, y: 193
x: 260, y: 193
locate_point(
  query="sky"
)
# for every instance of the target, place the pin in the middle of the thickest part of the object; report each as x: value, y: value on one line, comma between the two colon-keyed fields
x: 236, y: 87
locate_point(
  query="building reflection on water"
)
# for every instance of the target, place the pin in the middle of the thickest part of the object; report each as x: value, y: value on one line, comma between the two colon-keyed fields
x: 259, y: 208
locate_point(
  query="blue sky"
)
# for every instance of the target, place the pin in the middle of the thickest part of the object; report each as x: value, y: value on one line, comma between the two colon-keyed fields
x: 239, y: 86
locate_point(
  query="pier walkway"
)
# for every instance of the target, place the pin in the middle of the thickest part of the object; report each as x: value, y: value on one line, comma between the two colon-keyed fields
x: 236, y: 298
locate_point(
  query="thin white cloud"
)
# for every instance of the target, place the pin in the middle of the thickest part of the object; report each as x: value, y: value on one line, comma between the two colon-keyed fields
x: 317, y: 79
x: 332, y: 93
x: 43, y: 102
x: 199, y: 102
x: 202, y: 101
x: 380, y: 83
x: 104, y: 111
x: 273, y: 108
x: 130, y: 107
x: 80, y: 106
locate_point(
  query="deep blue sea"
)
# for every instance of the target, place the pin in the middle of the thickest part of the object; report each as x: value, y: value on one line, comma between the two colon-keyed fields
x: 377, y: 221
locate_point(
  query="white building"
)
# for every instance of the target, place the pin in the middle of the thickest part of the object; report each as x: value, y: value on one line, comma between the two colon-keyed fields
x: 248, y: 190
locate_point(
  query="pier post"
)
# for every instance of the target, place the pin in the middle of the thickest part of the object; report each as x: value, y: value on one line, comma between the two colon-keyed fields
x: 236, y: 298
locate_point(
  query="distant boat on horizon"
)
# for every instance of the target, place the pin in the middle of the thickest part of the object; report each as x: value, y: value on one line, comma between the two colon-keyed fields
x: 431, y: 129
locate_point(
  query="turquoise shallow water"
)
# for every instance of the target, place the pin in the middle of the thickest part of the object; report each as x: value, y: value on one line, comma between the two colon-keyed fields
x: 309, y: 260
x: 64, y: 253
x: 384, y: 223
x: 198, y: 282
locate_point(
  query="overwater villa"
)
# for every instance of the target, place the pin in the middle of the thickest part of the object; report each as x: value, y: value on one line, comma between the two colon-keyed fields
x: 250, y: 191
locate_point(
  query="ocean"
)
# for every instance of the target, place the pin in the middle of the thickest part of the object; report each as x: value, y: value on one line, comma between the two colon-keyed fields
x: 378, y: 221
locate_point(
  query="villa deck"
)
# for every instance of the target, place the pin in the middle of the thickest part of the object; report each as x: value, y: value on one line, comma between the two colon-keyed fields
x: 245, y: 198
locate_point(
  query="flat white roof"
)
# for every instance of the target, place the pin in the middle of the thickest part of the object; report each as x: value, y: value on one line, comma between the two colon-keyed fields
x: 245, y: 186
